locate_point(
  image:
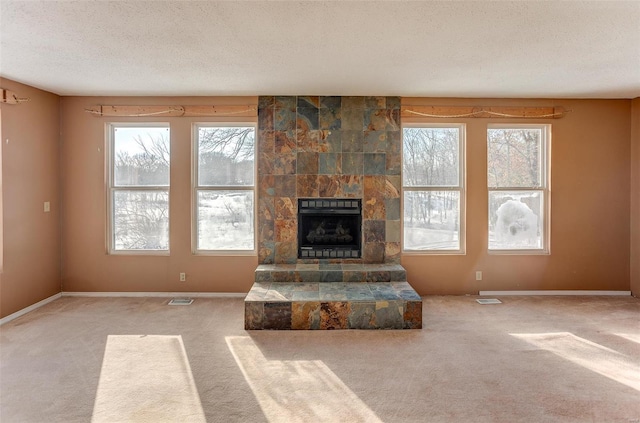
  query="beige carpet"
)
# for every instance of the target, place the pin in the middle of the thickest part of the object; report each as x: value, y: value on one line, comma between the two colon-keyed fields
x: 529, y: 359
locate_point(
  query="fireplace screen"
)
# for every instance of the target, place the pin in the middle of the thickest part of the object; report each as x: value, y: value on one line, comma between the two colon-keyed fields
x: 329, y: 228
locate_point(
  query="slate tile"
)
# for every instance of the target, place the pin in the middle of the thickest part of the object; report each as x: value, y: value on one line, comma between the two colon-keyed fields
x: 392, y: 252
x: 393, y: 103
x: 284, y: 119
x: 362, y: 315
x: 308, y: 118
x: 307, y: 163
x: 266, y: 141
x: 266, y: 252
x: 328, y: 186
x: 353, y: 119
x: 352, y: 163
x: 374, y: 142
x: 374, y: 230
x: 288, y: 102
x: 284, y: 185
x: 352, y: 141
x: 277, y: 315
x: 284, y: 142
x: 392, y: 208
x: 253, y: 315
x: 375, y: 102
x: 305, y: 315
x: 330, y: 119
x: 330, y: 163
x: 392, y: 230
x: 352, y: 102
x: 265, y: 101
x: 389, y: 315
x: 266, y: 119
x: 330, y: 102
x: 307, y: 186
x: 334, y: 315
x: 375, y: 163
x: 413, y: 315
x: 308, y: 101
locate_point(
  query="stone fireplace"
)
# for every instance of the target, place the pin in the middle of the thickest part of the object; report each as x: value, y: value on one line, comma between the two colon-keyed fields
x: 328, y: 148
x: 329, y: 216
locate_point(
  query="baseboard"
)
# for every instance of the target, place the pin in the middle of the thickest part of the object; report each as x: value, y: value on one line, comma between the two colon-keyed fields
x: 157, y: 294
x: 557, y: 292
x: 26, y: 310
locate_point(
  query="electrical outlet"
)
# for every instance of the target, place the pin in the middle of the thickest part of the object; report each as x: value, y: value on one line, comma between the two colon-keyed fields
x: 47, y: 206
x: 183, y: 277
x: 479, y: 275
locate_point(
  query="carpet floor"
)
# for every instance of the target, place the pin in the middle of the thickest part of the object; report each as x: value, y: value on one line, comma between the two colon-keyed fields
x: 529, y: 359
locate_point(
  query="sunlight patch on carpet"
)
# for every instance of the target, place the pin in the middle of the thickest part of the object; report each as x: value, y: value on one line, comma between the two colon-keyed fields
x: 297, y: 390
x: 146, y: 378
x: 587, y: 354
x: 633, y: 337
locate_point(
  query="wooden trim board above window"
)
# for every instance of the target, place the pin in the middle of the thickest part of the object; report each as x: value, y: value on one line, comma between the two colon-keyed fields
x: 453, y: 112
x: 249, y: 110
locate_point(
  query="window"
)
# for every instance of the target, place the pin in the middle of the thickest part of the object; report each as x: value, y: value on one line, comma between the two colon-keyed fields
x: 518, y: 181
x: 139, y: 157
x: 224, y: 187
x: 433, y: 186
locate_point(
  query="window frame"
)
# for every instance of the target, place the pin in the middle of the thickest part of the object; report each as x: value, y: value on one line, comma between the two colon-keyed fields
x: 544, y: 189
x: 461, y: 188
x: 112, y: 189
x: 195, y: 188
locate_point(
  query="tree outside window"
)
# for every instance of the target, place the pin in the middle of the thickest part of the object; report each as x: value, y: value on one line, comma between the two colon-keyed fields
x: 224, y: 187
x: 433, y: 186
x: 517, y: 176
x: 139, y: 162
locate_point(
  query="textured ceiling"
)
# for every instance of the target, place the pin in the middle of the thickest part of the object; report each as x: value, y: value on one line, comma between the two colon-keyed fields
x: 577, y: 49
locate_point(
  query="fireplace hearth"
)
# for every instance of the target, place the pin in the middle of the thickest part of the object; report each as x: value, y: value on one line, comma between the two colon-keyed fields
x: 329, y: 228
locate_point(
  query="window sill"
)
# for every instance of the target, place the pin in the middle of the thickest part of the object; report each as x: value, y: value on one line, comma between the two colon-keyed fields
x: 226, y: 253
x: 434, y: 252
x: 519, y: 252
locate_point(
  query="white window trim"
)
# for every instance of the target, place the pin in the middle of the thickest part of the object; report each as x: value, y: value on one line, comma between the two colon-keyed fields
x: 545, y: 188
x: 462, y: 152
x: 111, y: 189
x: 195, y: 188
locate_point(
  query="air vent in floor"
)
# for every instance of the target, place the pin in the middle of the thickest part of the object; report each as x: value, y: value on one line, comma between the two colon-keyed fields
x: 181, y: 301
x: 489, y: 301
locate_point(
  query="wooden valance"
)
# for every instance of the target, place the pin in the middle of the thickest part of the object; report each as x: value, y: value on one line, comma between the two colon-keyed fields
x: 174, y: 111
x: 9, y: 97
x: 459, y: 112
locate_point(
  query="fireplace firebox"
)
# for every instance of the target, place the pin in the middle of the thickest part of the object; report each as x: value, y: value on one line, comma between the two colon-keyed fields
x: 329, y: 228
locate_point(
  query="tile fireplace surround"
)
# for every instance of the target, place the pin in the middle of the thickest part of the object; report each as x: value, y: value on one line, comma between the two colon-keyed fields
x: 330, y: 147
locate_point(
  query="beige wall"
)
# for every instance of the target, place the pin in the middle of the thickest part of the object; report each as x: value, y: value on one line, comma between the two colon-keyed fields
x: 30, y: 176
x: 590, y: 207
x: 591, y: 213
x: 635, y: 197
x: 85, y: 264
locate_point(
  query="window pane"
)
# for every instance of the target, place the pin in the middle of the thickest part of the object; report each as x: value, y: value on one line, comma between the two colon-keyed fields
x: 432, y: 220
x: 226, y: 156
x: 515, y: 220
x: 514, y: 157
x: 141, y: 220
x: 225, y: 220
x: 141, y: 156
x: 431, y: 156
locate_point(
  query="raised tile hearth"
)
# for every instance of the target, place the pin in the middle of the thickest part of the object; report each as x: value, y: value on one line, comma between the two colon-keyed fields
x: 332, y: 296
